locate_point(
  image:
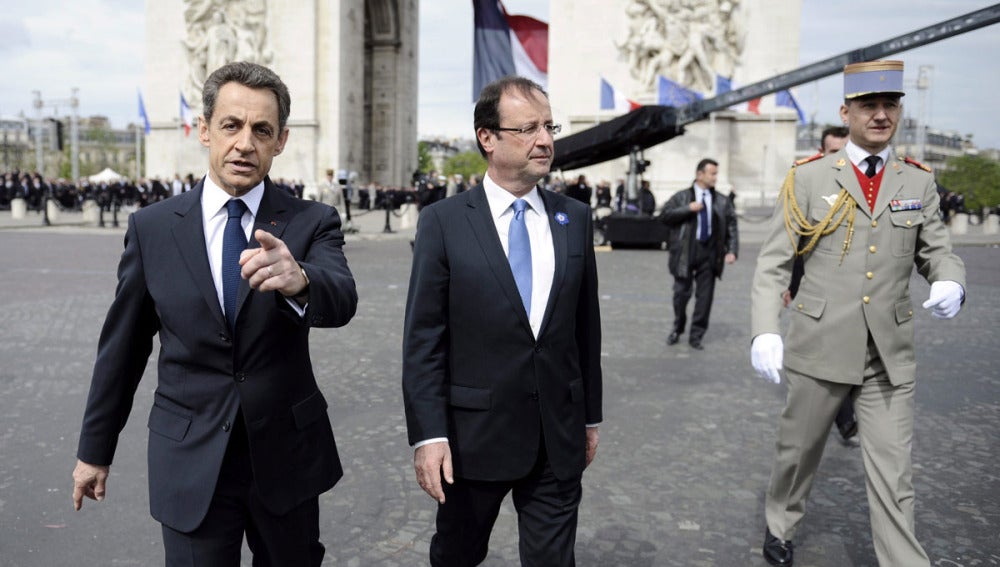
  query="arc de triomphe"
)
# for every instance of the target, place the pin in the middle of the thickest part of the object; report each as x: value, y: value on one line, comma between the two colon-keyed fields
x: 351, y: 67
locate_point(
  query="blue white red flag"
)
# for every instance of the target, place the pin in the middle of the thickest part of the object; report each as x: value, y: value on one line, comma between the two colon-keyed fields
x: 142, y: 113
x: 724, y: 85
x: 187, y: 117
x: 613, y: 99
x: 507, y: 45
x: 670, y: 93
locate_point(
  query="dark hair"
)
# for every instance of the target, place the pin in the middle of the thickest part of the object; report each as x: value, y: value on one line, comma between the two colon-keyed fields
x: 487, y: 113
x: 249, y: 75
x: 835, y: 131
x: 706, y: 162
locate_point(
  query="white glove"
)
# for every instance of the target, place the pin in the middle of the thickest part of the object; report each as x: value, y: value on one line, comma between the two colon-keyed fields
x: 945, y: 299
x: 766, y: 352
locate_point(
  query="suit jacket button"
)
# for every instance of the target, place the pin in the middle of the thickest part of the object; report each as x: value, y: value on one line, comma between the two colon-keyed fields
x: 226, y: 426
x: 538, y: 348
x: 224, y: 337
x: 533, y: 395
x: 240, y: 377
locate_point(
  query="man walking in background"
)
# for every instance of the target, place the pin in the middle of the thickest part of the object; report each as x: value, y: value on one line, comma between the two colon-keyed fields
x: 703, y: 238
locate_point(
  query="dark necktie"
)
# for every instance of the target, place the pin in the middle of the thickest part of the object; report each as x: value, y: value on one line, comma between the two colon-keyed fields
x: 519, y: 253
x: 234, y: 240
x: 703, y: 230
x: 872, y: 162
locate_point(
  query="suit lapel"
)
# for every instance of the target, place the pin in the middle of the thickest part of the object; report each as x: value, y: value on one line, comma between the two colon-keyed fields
x: 481, y: 220
x: 847, y: 179
x: 189, y: 235
x: 892, y: 182
x: 560, y: 250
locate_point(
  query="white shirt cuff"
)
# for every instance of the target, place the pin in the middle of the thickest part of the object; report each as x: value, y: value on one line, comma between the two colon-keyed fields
x: 429, y: 441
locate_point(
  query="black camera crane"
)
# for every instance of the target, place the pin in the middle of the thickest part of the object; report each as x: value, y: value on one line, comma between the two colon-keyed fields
x: 650, y: 125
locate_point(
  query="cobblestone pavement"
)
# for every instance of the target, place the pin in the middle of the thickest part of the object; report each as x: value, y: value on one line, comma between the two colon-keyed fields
x: 685, y: 451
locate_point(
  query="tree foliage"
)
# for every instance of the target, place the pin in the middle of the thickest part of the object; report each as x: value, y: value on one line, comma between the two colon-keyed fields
x: 424, y: 162
x: 975, y: 177
x: 467, y: 164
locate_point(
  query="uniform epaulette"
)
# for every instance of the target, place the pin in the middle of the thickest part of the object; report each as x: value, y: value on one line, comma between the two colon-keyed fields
x: 916, y: 163
x: 808, y: 159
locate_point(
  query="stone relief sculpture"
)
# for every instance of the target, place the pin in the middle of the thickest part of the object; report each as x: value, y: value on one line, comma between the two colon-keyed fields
x: 220, y: 31
x: 689, y: 41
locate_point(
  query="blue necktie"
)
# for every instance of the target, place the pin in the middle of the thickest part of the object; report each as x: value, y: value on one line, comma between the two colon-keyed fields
x: 519, y: 253
x: 703, y: 233
x: 234, y: 240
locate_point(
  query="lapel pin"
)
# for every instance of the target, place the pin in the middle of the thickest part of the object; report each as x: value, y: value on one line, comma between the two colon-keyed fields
x: 562, y: 218
x: 841, y: 162
x: 274, y: 223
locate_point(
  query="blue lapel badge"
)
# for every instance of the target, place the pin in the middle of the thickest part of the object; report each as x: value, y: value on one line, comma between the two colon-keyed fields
x: 562, y: 218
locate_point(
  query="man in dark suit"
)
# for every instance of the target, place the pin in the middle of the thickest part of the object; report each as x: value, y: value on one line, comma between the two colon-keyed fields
x: 703, y: 236
x: 239, y: 438
x: 501, y: 344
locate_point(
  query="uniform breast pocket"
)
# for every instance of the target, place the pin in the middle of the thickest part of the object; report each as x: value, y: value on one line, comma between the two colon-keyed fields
x: 905, y: 228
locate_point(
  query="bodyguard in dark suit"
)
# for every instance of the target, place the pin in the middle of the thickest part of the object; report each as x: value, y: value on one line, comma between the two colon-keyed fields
x: 239, y: 437
x: 703, y: 238
x: 501, y: 345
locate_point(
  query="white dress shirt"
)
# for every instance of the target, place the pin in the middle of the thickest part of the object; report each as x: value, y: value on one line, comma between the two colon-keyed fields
x: 543, y: 256
x: 703, y: 196
x: 214, y: 216
x: 858, y: 155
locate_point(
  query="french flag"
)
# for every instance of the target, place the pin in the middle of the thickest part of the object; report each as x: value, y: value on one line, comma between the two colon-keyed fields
x: 507, y: 45
x: 187, y: 117
x: 612, y: 99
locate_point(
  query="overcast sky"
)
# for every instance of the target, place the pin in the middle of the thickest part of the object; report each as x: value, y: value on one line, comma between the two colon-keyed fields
x: 98, y: 46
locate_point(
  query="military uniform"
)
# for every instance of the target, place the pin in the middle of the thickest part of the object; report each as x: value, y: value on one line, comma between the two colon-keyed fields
x: 851, y: 324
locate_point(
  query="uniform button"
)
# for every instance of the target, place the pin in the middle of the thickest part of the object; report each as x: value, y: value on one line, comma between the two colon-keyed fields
x: 874, y: 223
x: 872, y: 249
x: 910, y: 313
x: 226, y: 426
x: 866, y: 299
x: 870, y: 275
x: 908, y: 223
x: 241, y: 377
x: 801, y: 306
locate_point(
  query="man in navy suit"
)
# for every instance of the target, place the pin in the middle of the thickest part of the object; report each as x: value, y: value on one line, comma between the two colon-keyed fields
x: 501, y: 345
x: 239, y: 438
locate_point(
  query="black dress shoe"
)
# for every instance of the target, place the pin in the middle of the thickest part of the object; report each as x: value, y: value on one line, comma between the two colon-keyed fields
x: 849, y: 429
x: 776, y: 551
x: 696, y: 345
x: 673, y: 338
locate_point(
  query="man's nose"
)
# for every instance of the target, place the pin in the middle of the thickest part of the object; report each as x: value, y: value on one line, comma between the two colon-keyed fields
x: 244, y: 140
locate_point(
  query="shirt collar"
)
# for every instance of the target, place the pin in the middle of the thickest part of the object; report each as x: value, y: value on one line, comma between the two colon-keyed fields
x: 214, y: 199
x: 858, y: 155
x: 699, y: 191
x: 500, y: 199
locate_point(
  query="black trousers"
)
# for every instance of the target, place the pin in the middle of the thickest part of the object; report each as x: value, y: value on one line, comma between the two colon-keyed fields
x: 275, y: 541
x: 546, y: 519
x: 701, y: 280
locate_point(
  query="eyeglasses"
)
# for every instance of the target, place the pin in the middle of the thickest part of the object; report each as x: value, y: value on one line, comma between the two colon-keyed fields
x: 532, y: 130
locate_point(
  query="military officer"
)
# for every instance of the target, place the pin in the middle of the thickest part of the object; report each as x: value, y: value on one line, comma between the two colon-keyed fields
x: 860, y: 219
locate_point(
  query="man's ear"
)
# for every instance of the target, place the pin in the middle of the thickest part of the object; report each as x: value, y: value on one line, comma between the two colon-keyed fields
x: 486, y: 138
x: 282, y: 140
x: 203, y: 130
